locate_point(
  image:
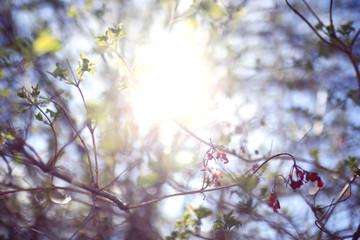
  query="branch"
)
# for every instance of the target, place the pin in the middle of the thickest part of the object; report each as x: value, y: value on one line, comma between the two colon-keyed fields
x: 50, y: 164
x: 275, y: 156
x: 338, y: 199
x: 312, y: 28
x: 356, y: 235
x: 91, y: 188
x: 313, y: 13
x: 333, y: 32
x: 179, y: 194
x: 211, y: 145
x: 115, y: 179
x: 355, y: 37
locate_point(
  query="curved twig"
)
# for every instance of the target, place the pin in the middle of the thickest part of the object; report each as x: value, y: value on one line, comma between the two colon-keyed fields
x: 312, y: 27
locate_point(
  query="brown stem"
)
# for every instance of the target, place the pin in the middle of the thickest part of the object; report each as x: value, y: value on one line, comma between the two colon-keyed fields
x: 355, y: 37
x: 50, y: 164
x: 311, y: 26
x: 275, y: 156
x: 179, y: 194
x: 91, y: 129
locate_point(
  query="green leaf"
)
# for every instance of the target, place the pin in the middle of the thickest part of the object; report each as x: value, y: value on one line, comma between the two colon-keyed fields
x: 315, y: 154
x: 218, y: 224
x: 230, y: 221
x: 2, y: 74
x: 212, y: 9
x: 346, y: 29
x: 116, y: 32
x: 60, y: 72
x: 39, y: 117
x: 23, y: 93
x: 202, y: 212
x: 318, y: 26
x: 5, y: 93
x: 7, y: 136
x: 52, y: 113
x: 85, y: 66
x: 46, y: 43
x: 184, y: 235
x: 173, y: 236
x: 17, y: 158
x: 35, y: 91
x: 101, y: 40
x: 352, y: 162
x: 88, y: 5
x: 73, y: 11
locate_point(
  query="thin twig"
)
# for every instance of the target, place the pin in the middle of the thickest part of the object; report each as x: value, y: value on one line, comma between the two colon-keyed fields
x: 115, y: 179
x: 80, y: 138
x: 354, y: 39
x: 312, y: 28
x: 332, y: 27
x: 50, y: 123
x: 179, y: 194
x: 91, y: 129
x: 211, y: 145
x: 272, y: 157
x: 85, y: 221
x: 338, y: 198
x: 313, y: 13
x: 36, y: 154
x: 72, y: 139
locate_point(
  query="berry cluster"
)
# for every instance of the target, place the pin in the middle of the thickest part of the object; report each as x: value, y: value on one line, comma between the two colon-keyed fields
x: 214, y: 155
x: 297, y: 177
x: 302, y: 177
x: 273, y: 200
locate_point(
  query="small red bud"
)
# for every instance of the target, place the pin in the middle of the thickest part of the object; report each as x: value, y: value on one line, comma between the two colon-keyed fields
x: 223, y: 156
x: 295, y: 184
x: 314, y: 176
x: 320, y: 183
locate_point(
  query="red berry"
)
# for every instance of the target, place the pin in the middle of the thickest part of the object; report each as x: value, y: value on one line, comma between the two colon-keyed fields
x: 300, y: 174
x: 320, y: 183
x: 276, y: 206
x: 295, y: 184
x: 314, y: 177
x: 223, y: 156
x: 272, y: 198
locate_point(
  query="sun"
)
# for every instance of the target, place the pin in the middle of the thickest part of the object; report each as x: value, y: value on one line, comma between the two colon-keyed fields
x: 172, y: 77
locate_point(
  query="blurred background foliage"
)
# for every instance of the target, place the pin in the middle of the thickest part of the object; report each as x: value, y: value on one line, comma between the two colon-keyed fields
x: 271, y: 86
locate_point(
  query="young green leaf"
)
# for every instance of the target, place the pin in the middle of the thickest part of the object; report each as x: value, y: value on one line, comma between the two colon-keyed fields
x: 60, y: 72
x: 218, y: 224
x: 102, y: 40
x: 46, y: 43
x: 35, y: 91
x: 230, y: 221
x: 116, y: 32
x: 202, y: 212
x: 85, y: 66
x: 39, y: 117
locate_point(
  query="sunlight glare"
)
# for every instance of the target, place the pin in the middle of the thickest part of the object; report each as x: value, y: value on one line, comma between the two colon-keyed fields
x: 172, y: 77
